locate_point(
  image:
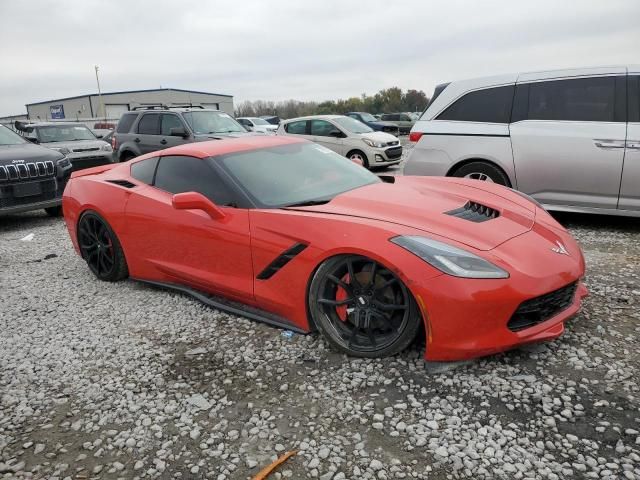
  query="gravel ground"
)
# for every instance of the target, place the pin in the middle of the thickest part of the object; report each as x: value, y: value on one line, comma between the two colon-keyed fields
x: 122, y: 380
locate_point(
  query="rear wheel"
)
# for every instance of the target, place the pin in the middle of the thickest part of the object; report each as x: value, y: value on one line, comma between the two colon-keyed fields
x: 358, y: 156
x: 101, y: 249
x: 54, y: 211
x: 483, y: 171
x: 362, y: 308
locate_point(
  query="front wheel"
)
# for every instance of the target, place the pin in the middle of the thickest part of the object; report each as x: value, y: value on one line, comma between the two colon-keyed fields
x: 101, y: 249
x: 358, y: 157
x: 483, y: 171
x: 362, y: 308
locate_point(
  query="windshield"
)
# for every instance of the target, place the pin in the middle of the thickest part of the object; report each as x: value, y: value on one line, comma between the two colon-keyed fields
x: 352, y: 125
x: 367, y: 117
x: 259, y: 121
x: 7, y: 137
x: 295, y: 174
x: 212, y: 122
x: 64, y: 133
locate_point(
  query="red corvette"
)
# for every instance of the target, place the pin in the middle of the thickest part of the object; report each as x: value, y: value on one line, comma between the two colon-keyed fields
x: 288, y: 232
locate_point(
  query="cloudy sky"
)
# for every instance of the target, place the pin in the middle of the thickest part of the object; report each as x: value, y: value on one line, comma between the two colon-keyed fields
x: 281, y: 49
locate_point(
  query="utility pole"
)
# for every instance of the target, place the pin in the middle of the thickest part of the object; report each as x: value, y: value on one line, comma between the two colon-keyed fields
x: 104, y: 114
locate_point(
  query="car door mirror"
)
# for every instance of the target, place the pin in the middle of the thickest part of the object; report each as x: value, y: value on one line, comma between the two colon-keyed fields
x: 197, y: 201
x: 178, y: 132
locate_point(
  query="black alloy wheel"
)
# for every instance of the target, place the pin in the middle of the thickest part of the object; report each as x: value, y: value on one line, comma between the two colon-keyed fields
x: 362, y: 308
x: 100, y: 248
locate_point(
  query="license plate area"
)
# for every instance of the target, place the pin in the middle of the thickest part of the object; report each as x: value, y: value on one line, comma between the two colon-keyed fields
x: 27, y: 189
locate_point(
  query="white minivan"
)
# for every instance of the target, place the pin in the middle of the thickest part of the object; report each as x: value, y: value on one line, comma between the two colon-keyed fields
x: 568, y: 138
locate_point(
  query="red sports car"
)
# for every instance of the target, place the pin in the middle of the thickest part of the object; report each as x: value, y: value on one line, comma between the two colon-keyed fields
x: 287, y: 232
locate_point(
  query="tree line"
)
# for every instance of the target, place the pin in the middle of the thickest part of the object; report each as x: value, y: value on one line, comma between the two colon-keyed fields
x: 388, y: 100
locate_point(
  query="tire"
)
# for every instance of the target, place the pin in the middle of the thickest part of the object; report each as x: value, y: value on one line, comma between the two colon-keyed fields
x: 126, y: 156
x: 362, y: 308
x: 359, y: 155
x: 483, y: 171
x: 54, y: 211
x: 100, y: 248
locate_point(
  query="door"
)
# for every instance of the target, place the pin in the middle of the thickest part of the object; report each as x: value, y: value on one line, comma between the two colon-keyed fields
x: 167, y: 122
x: 630, y: 186
x: 187, y: 246
x: 328, y: 135
x: 147, y: 136
x: 568, y: 140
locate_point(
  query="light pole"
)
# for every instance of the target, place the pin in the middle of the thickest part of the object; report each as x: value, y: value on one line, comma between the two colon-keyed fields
x: 104, y: 114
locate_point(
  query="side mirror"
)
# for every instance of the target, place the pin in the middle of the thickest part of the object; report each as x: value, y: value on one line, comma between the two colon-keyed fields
x: 178, y: 132
x: 336, y: 133
x: 99, y: 135
x: 197, y: 201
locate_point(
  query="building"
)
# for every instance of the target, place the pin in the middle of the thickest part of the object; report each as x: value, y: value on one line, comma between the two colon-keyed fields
x: 111, y: 105
x: 8, y: 120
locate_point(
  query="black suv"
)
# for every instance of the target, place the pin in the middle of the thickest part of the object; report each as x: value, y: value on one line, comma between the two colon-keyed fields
x: 150, y: 128
x: 31, y: 176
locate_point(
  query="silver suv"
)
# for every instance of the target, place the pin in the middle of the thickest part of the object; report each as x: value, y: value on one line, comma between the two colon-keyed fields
x: 150, y: 128
x: 568, y: 138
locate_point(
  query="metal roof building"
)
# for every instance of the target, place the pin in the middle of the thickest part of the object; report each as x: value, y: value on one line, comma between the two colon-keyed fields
x: 113, y: 104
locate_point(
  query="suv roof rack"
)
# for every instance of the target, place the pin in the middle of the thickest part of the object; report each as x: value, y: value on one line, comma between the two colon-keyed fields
x: 165, y: 107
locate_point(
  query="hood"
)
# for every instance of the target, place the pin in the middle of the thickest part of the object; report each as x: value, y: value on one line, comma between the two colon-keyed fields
x: 381, y: 137
x: 76, y: 145
x: 27, y: 152
x: 423, y: 202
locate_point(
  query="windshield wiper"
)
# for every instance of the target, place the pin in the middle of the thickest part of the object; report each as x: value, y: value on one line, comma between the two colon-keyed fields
x: 308, y: 203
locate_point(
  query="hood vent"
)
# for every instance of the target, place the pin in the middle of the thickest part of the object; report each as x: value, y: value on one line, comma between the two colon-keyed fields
x: 474, y: 212
x: 122, y: 183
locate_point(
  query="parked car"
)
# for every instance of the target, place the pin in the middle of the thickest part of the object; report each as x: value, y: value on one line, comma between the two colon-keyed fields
x: 348, y: 137
x: 151, y: 128
x: 568, y: 138
x: 255, y: 124
x: 75, y: 140
x: 404, y: 121
x: 280, y: 230
x: 31, y: 176
x: 374, y: 124
x: 272, y: 119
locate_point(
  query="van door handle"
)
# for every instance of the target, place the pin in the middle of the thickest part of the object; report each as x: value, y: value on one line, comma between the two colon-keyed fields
x: 608, y: 143
x: 137, y: 140
x: 634, y: 144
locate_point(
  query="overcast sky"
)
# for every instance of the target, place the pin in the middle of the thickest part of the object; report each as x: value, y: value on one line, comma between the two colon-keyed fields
x: 281, y: 49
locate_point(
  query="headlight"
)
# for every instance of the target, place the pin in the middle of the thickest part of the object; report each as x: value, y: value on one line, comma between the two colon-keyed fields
x: 448, y: 259
x: 107, y: 148
x: 62, y: 150
x: 63, y: 162
x: 373, y: 143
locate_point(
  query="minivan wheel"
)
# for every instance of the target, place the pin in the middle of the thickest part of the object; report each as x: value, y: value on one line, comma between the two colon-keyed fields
x: 357, y: 155
x: 483, y: 171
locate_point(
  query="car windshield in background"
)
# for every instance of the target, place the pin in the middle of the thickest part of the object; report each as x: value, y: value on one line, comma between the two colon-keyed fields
x: 259, y: 121
x: 367, y: 117
x: 64, y: 133
x: 294, y: 175
x: 7, y: 137
x: 203, y: 123
x: 352, y: 125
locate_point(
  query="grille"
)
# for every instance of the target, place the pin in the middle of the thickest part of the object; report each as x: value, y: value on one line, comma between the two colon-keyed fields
x: 92, y: 149
x: 395, y: 152
x: 48, y: 189
x: 537, y: 310
x: 26, y: 171
x: 474, y: 212
x: 88, y: 162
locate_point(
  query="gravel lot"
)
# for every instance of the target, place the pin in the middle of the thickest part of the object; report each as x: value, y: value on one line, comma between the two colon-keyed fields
x: 123, y: 380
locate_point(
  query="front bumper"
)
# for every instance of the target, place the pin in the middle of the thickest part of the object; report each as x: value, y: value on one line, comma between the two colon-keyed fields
x: 96, y: 159
x: 387, y: 156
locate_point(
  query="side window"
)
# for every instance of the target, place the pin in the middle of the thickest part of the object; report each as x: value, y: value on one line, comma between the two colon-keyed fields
x: 179, y: 174
x: 297, y: 128
x: 581, y: 99
x: 124, y: 125
x: 405, y: 118
x: 353, y: 115
x: 322, y: 128
x: 633, y: 91
x: 149, y: 124
x: 491, y: 105
x: 244, y: 122
x: 144, y: 170
x: 169, y: 121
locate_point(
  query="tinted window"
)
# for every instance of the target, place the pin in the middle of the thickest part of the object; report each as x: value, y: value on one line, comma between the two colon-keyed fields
x: 177, y: 174
x: 169, y: 122
x: 144, y: 170
x: 405, y: 118
x: 244, y: 121
x: 322, y: 128
x: 297, y: 128
x: 491, y: 105
x: 582, y: 99
x: 633, y: 91
x: 149, y: 124
x: 124, y: 125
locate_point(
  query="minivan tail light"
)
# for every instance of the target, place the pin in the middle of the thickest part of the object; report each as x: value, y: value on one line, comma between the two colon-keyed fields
x: 415, y: 136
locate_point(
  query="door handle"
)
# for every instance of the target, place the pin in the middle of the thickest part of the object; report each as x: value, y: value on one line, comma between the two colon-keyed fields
x: 137, y: 140
x: 633, y: 144
x: 163, y: 141
x: 606, y: 144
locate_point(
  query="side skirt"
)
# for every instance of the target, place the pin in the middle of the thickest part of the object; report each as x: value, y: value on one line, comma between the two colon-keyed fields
x: 229, y: 306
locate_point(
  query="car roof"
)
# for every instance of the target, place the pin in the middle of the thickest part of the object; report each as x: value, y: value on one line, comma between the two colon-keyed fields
x: 215, y: 148
x: 314, y: 117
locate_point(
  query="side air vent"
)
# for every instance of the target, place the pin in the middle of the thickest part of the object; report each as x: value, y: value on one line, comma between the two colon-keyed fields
x: 474, y: 212
x: 281, y: 260
x: 123, y: 183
